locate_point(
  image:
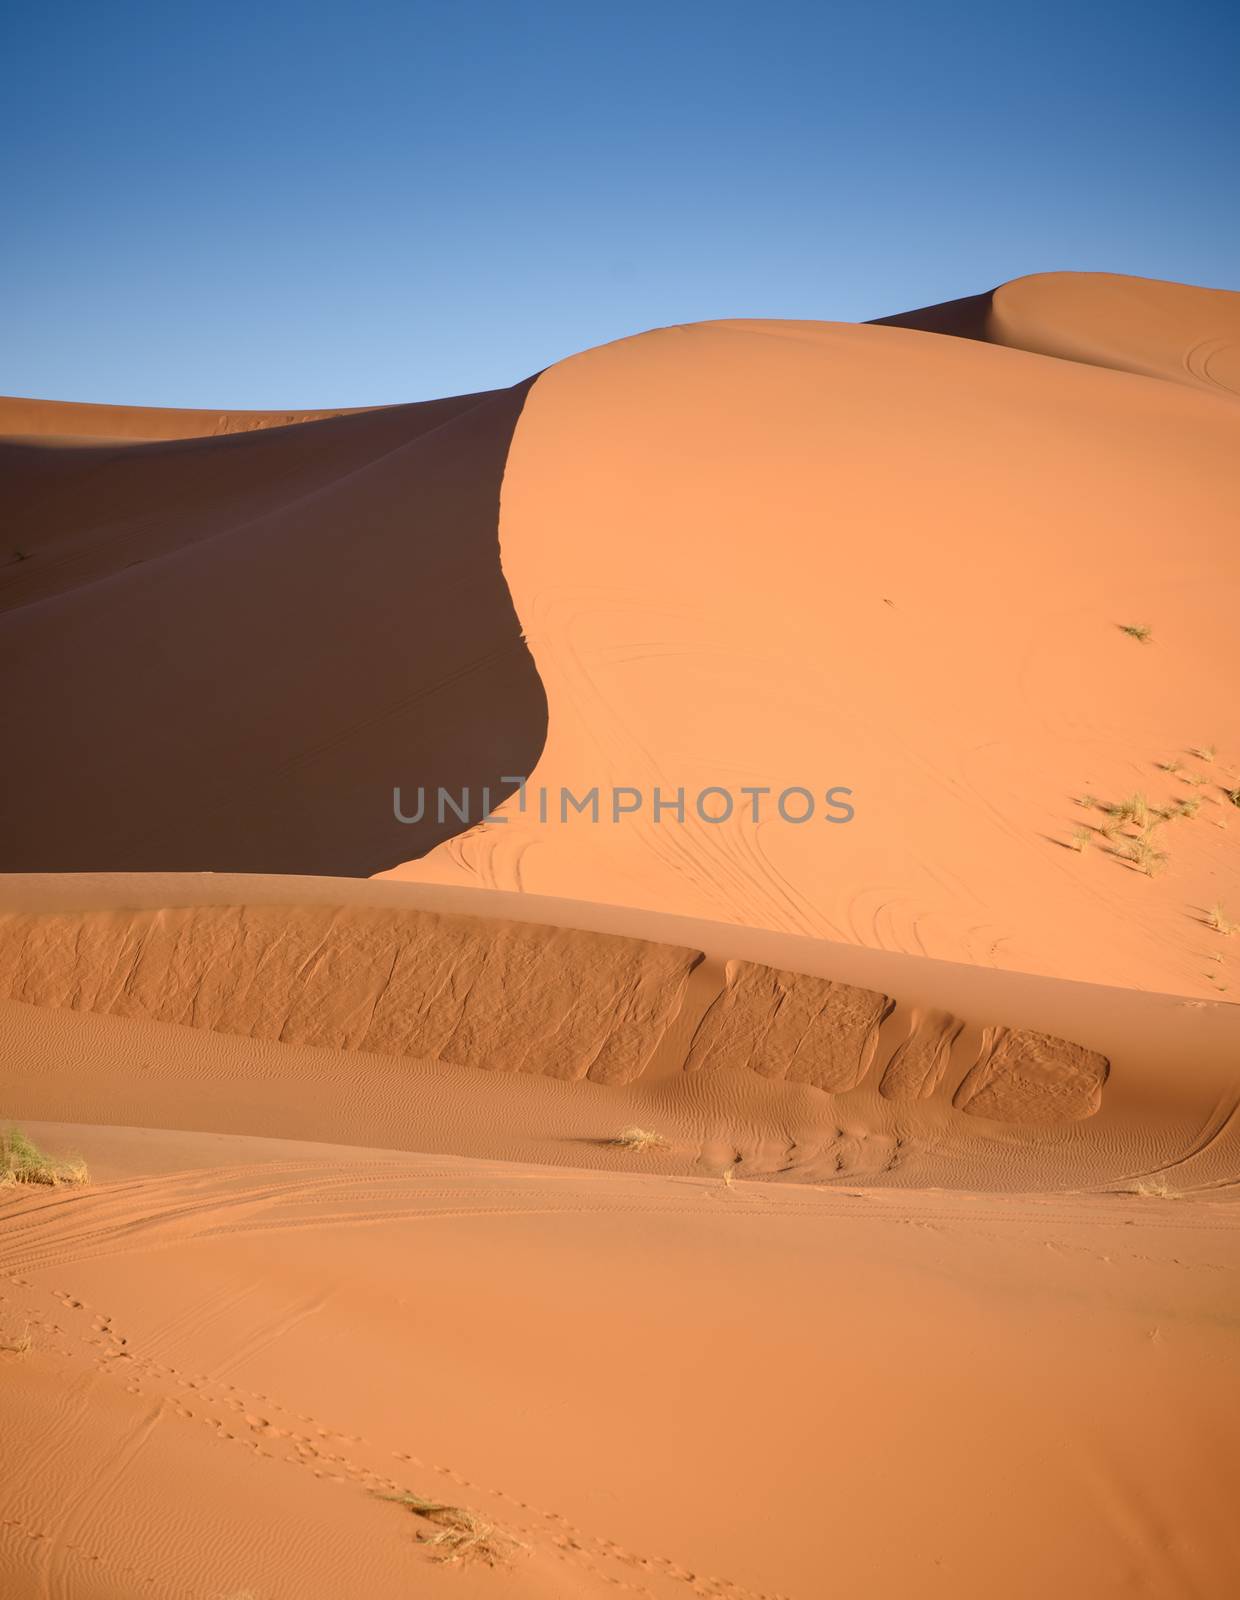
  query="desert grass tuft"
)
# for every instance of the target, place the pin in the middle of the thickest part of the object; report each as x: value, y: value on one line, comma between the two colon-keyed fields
x: 1217, y: 918
x: 1144, y: 855
x: 1081, y: 837
x: 1134, y: 809
x: 21, y: 1161
x: 1183, y: 809
x: 1155, y: 1188
x: 460, y: 1534
x: 641, y: 1139
x: 1204, y: 752
x: 1140, y: 631
x: 17, y: 1344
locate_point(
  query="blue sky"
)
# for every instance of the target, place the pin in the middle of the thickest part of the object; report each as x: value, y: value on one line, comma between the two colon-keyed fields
x: 277, y: 204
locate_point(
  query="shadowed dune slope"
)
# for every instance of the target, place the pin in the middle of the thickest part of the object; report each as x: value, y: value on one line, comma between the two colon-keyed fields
x: 225, y: 652
x: 775, y: 555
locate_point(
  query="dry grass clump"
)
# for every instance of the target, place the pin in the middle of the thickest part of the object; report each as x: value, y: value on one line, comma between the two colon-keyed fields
x: 641, y: 1139
x: 21, y: 1161
x: 460, y: 1534
x: 1183, y: 809
x: 1141, y: 631
x: 17, y: 1344
x: 1081, y: 837
x: 1144, y: 854
x: 1217, y: 918
x: 1134, y: 811
x: 1204, y: 752
x: 1155, y: 1187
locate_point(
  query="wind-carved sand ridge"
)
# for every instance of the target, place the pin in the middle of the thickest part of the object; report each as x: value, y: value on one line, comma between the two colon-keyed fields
x: 557, y: 1002
x: 484, y: 1025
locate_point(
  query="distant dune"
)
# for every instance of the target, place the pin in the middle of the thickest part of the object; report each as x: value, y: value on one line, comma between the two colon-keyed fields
x: 1159, y: 330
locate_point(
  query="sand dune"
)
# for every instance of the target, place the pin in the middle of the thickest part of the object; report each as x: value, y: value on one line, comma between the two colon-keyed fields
x: 899, y: 564
x: 748, y: 555
x: 918, y: 1278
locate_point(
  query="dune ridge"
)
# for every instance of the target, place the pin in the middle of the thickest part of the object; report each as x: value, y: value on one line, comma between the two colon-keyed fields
x: 1178, y: 332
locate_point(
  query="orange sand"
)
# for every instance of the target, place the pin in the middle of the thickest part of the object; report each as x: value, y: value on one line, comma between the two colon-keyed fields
x: 926, y: 1287
x: 810, y: 554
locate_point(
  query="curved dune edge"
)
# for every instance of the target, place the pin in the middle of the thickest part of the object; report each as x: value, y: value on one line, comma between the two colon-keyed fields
x: 1175, y: 331
x: 355, y: 984
x: 774, y: 554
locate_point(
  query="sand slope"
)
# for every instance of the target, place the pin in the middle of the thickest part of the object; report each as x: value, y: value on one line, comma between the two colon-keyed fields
x: 778, y: 554
x: 659, y: 1386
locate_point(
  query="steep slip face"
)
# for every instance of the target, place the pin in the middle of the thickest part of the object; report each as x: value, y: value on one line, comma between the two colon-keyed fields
x: 226, y: 652
x: 771, y: 555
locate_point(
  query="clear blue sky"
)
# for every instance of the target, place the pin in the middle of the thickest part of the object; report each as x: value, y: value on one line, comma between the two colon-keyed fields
x: 308, y: 204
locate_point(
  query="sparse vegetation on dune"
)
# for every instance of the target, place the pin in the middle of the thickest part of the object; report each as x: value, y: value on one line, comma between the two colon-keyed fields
x: 1143, y: 853
x: 1155, y: 1187
x: 641, y: 1139
x: 1204, y: 752
x: 1081, y: 837
x: 16, y: 1344
x: 1140, y: 631
x: 460, y: 1534
x: 1217, y: 918
x: 21, y: 1161
x: 1134, y: 809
